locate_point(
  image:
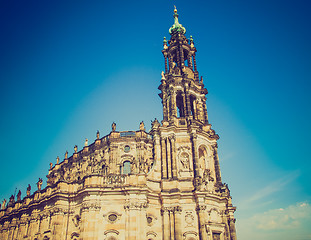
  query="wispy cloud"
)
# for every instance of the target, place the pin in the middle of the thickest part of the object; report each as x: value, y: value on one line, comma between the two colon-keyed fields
x: 283, y: 218
x: 292, y: 222
x: 273, y: 187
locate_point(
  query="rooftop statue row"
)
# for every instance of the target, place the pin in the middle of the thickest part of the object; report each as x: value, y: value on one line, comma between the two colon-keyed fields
x: 94, y: 164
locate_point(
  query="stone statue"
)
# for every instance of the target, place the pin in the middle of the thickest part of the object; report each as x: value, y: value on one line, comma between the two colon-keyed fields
x: 66, y: 154
x: 114, y: 126
x: 11, y: 200
x: 3, y: 204
x: 97, y: 134
x: 142, y: 126
x: 184, y: 161
x: 155, y: 124
x: 19, y: 195
x: 57, y: 160
x: 51, y: 165
x: 28, y: 190
x: 86, y: 142
x: 39, y: 184
x: 76, y: 148
x: 163, y: 76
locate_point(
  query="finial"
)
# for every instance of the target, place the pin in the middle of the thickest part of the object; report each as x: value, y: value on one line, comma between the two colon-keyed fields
x: 164, y: 43
x: 191, y: 41
x: 177, y: 27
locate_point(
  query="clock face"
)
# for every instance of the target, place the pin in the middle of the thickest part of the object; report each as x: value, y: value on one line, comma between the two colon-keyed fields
x: 127, y: 148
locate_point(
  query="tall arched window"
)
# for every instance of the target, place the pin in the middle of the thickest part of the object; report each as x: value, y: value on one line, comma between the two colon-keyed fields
x: 126, y: 167
x: 180, y: 105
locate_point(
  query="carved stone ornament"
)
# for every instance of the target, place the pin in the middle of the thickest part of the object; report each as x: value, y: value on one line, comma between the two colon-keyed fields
x: 112, y: 217
x: 90, y: 206
x: 189, y: 219
x: 150, y: 219
x: 184, y: 159
x: 135, y: 205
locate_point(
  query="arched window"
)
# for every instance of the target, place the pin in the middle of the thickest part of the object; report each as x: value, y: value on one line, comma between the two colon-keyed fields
x: 126, y: 167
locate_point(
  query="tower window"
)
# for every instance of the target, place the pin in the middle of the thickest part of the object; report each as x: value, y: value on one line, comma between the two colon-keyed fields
x: 180, y: 105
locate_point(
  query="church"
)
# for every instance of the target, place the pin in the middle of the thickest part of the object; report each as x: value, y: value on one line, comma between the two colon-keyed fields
x: 135, y: 185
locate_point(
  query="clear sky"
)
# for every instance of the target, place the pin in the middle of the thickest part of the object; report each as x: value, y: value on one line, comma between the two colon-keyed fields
x: 70, y: 68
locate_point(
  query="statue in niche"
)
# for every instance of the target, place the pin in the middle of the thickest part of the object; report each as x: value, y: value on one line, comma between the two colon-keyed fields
x: 28, y: 190
x: 114, y: 126
x: 184, y: 159
x: 19, y: 195
x: 39, y: 183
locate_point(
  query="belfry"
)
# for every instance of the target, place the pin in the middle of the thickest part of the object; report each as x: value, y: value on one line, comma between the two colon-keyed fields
x: 134, y: 185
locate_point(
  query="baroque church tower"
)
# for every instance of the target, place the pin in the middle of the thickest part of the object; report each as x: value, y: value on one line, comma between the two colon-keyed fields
x: 163, y: 184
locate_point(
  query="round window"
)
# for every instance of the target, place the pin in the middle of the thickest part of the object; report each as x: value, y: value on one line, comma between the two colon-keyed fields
x: 112, y: 217
x: 127, y: 148
x: 149, y: 220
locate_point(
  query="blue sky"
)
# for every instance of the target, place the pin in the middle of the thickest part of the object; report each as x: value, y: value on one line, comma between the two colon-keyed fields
x: 70, y: 68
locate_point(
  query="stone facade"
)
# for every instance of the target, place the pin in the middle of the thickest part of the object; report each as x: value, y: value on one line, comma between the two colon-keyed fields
x: 165, y: 184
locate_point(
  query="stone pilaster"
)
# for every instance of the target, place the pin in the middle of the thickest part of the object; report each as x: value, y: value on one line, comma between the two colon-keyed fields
x: 178, y: 222
x: 169, y: 158
x: 164, y: 160
x: 201, y: 221
x: 173, y: 156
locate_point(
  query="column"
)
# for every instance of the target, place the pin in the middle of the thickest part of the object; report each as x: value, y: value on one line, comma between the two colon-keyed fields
x: 216, y: 164
x: 174, y: 165
x: 232, y: 229
x: 188, y: 103
x: 201, y: 221
x: 165, y: 223
x: 178, y: 221
x: 195, y: 154
x: 172, y: 223
x: 184, y: 104
x: 205, y: 110
x: 157, y: 153
x: 169, y: 159
x: 164, y: 103
x: 164, y: 163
